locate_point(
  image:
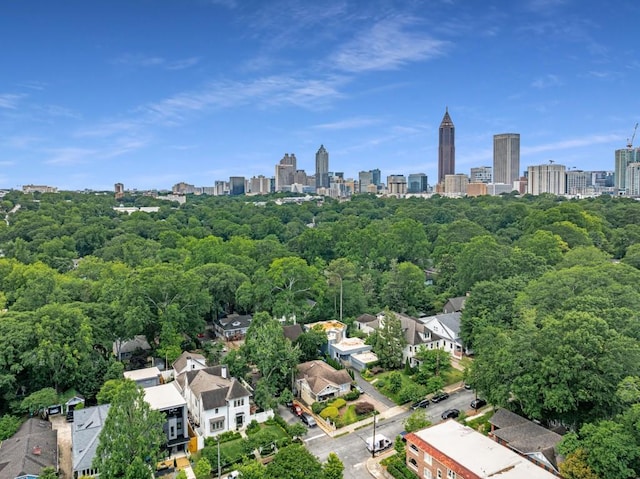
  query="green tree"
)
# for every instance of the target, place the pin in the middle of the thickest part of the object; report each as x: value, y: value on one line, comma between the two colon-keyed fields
x: 333, y: 468
x: 418, y: 420
x: 389, y: 342
x: 252, y: 469
x: 9, y: 425
x: 181, y: 474
x: 575, y: 466
x: 310, y: 343
x: 48, y: 472
x: 433, y: 362
x: 292, y: 280
x: 39, y: 400
x: 131, y: 438
x: 294, y: 462
x: 403, y: 288
x: 202, y: 469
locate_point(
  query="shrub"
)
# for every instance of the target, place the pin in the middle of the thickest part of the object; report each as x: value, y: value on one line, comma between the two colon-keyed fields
x: 9, y: 425
x: 395, y: 382
x: 364, y: 408
x: 279, y: 420
x: 381, y: 383
x: 329, y: 412
x: 316, y: 407
x: 352, y: 395
x: 224, y: 437
x: 253, y: 427
x: 338, y: 403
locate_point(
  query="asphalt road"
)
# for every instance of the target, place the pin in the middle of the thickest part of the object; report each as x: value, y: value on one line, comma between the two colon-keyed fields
x: 352, y: 449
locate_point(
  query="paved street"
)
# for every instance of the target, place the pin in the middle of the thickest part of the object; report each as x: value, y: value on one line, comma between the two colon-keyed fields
x: 351, y: 448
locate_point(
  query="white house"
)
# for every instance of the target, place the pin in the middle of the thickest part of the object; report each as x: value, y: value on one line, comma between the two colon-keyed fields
x: 216, y: 402
x: 188, y: 361
x: 444, y: 330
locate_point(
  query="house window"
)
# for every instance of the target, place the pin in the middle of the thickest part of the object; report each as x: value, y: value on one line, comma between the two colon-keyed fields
x: 427, y: 458
x: 451, y: 474
x: 238, y: 402
x: 414, y: 448
x: 427, y: 474
x: 215, y: 411
x: 413, y: 463
x: 216, y: 424
x: 439, y: 474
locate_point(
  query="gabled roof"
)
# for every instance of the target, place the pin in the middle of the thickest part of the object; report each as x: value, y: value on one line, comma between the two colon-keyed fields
x: 235, y: 321
x: 213, y: 389
x: 141, y: 374
x: 292, y: 331
x: 451, y: 321
x: 411, y: 327
x: 28, y: 451
x: 457, y: 303
x: 181, y: 363
x: 366, y: 318
x: 131, y: 345
x: 523, y: 435
x: 319, y: 375
x: 85, y: 430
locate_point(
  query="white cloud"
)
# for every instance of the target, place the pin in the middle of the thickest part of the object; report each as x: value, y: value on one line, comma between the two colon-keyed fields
x: 349, y: 123
x: 144, y: 61
x: 571, y: 143
x: 388, y: 45
x: 10, y: 100
x: 69, y: 156
x: 546, y: 81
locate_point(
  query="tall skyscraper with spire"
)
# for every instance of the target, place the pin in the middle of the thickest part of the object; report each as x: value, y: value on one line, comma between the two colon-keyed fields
x: 446, y: 148
x: 322, y: 168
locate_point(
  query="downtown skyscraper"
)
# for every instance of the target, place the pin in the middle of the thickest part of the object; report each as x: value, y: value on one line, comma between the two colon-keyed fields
x: 506, y: 158
x: 446, y: 148
x: 322, y: 168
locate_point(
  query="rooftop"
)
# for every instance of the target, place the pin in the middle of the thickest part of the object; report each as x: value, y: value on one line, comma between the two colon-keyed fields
x: 164, y: 396
x: 139, y: 374
x: 477, y: 453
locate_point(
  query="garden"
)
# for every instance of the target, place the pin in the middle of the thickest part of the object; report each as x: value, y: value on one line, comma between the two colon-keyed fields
x: 344, y: 410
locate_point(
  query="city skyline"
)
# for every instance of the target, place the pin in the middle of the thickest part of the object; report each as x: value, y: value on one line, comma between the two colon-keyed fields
x: 95, y: 93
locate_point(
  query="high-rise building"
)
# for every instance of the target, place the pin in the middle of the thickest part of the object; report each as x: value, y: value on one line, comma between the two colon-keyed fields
x: 456, y: 185
x: 322, y: 168
x: 446, y: 148
x: 624, y: 157
x: 119, y: 190
x: 285, y: 171
x: 417, y: 183
x: 236, y: 185
x: 577, y: 182
x: 633, y: 179
x: 376, y: 177
x: 506, y: 158
x: 481, y: 174
x: 396, y: 185
x: 549, y: 178
x: 259, y: 185
x: 365, y: 178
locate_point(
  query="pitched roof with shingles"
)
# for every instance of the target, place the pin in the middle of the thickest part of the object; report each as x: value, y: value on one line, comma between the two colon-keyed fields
x: 213, y: 389
x: 292, y: 331
x: 85, y: 430
x: 366, y: 318
x: 411, y: 327
x: 181, y: 363
x: 28, y: 451
x: 235, y: 321
x: 457, y: 303
x: 319, y: 375
x: 523, y: 435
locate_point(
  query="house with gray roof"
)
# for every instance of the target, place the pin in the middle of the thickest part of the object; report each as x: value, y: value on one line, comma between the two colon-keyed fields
x: 233, y: 326
x: 443, y: 331
x: 318, y: 381
x: 124, y: 349
x: 85, y: 432
x: 531, y: 440
x: 188, y: 361
x: 217, y: 402
x: 167, y: 400
x: 32, y: 448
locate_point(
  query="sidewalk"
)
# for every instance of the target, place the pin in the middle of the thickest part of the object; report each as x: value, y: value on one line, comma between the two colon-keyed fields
x: 375, y: 469
x: 394, y: 411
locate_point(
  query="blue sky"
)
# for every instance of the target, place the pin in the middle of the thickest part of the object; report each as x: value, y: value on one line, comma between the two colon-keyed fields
x: 153, y: 92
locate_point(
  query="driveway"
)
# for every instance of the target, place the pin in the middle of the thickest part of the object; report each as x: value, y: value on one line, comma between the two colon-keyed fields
x: 379, y: 400
x: 60, y: 424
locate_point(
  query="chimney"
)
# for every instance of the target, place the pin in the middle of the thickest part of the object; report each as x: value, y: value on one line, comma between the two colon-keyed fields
x: 223, y: 372
x: 190, y: 364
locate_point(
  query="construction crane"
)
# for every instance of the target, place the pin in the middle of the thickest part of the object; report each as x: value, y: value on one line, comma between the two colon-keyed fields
x: 630, y: 141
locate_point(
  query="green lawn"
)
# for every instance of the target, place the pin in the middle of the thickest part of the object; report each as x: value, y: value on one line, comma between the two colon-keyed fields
x: 233, y: 450
x: 407, y: 382
x: 453, y: 376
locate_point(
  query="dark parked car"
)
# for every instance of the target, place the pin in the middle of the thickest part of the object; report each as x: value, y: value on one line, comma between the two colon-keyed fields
x: 478, y: 403
x: 468, y: 386
x: 450, y: 413
x: 441, y: 396
x: 309, y: 420
x: 421, y: 403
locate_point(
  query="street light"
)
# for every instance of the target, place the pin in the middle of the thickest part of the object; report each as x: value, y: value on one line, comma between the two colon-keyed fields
x: 340, y: 278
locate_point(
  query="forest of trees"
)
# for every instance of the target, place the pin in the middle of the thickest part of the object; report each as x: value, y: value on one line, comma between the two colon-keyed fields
x: 552, y: 313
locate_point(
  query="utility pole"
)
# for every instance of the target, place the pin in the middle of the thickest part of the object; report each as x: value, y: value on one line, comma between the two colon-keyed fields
x: 219, y: 456
x: 373, y: 442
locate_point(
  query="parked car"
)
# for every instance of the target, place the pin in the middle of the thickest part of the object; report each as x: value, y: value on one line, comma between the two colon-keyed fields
x: 450, y: 413
x: 468, y: 386
x: 297, y: 410
x: 355, y: 387
x: 439, y: 396
x: 308, y: 420
x: 478, y: 403
x: 421, y: 403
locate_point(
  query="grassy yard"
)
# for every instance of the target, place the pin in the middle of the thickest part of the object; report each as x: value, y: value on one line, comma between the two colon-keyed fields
x: 382, y: 383
x: 481, y: 424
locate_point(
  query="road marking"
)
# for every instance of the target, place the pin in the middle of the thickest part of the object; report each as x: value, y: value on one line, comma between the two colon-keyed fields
x: 314, y: 437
